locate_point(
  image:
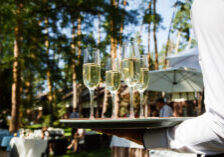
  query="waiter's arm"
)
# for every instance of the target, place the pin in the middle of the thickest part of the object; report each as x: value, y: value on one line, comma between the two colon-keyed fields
x: 201, y: 135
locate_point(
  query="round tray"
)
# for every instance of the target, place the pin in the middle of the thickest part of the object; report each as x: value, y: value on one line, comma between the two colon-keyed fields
x: 123, y: 123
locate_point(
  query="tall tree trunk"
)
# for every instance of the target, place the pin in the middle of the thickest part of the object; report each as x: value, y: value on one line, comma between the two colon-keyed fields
x: 113, y: 40
x: 74, y: 89
x: 189, y: 43
x: 105, y: 100
x: 79, y: 33
x: 14, y: 123
x: 73, y: 49
x: 121, y: 31
x: 49, y: 80
x: 178, y: 41
x: 168, y: 37
x: 155, y: 37
x: 117, y: 96
x: 113, y: 44
x: 113, y: 49
x: 149, y: 35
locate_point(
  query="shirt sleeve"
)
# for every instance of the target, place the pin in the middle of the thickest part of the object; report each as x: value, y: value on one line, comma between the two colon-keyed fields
x: 201, y: 135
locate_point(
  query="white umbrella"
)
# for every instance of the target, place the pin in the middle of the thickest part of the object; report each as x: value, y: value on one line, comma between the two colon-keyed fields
x: 188, y: 58
x: 176, y: 80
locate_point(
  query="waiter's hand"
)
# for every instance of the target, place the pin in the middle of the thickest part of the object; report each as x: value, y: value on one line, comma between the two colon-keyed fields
x: 135, y: 135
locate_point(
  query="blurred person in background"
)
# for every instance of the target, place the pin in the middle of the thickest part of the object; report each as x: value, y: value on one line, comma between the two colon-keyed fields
x: 78, y: 136
x: 164, y: 109
x: 74, y: 114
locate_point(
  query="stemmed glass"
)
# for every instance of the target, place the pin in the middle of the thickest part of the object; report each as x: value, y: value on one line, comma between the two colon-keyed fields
x: 91, y: 74
x: 130, y: 66
x: 143, y: 81
x: 113, y: 80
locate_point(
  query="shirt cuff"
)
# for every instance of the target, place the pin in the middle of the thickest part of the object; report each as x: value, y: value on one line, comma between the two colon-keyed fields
x: 155, y: 139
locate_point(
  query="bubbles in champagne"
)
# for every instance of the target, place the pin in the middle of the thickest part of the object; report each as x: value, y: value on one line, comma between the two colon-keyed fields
x: 113, y: 79
x: 131, y: 71
x: 91, y: 75
x: 144, y: 79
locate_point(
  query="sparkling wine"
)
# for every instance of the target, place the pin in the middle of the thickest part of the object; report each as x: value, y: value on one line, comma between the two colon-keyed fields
x: 113, y: 79
x: 131, y: 71
x: 91, y: 75
x: 143, y: 82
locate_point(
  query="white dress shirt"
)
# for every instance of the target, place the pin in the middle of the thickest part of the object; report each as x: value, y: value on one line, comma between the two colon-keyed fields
x: 166, y: 111
x: 204, y: 134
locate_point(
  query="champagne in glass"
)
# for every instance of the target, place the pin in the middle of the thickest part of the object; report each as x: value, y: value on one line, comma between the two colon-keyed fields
x: 113, y: 80
x: 130, y: 70
x: 143, y: 82
x: 91, y: 74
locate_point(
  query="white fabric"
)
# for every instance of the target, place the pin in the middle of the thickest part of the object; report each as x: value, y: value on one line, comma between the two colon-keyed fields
x: 176, y: 80
x: 186, y: 53
x: 204, y: 134
x: 188, y: 58
x: 121, y: 142
x: 166, y: 111
x: 168, y: 153
x: 29, y: 147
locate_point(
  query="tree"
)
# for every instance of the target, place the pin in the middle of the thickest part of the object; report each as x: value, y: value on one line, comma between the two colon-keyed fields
x: 168, y: 37
x: 154, y: 34
x: 14, y: 123
x: 182, y: 23
x: 121, y: 29
x: 148, y: 19
x: 152, y: 18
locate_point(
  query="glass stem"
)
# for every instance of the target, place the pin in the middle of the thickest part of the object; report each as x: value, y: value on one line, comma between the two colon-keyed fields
x: 141, y: 115
x: 91, y: 91
x: 132, y: 114
x: 113, y: 105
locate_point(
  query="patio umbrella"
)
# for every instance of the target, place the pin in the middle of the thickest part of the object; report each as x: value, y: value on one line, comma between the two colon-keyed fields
x: 188, y: 58
x: 176, y: 80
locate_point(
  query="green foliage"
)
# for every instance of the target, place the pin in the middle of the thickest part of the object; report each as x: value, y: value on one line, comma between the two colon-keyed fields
x: 61, y: 15
x: 47, y: 120
x: 35, y: 126
x: 182, y: 20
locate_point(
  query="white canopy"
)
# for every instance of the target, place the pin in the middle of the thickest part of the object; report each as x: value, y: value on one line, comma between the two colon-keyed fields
x: 188, y: 58
x: 176, y: 80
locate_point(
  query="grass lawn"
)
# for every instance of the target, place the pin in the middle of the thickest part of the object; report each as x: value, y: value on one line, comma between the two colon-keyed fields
x: 105, y: 152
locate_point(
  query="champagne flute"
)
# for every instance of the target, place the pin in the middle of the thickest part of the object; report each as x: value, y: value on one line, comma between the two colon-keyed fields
x: 143, y: 81
x: 113, y: 80
x: 91, y: 74
x: 130, y: 70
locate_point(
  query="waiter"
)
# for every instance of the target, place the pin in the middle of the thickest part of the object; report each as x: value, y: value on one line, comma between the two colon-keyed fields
x: 204, y: 134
